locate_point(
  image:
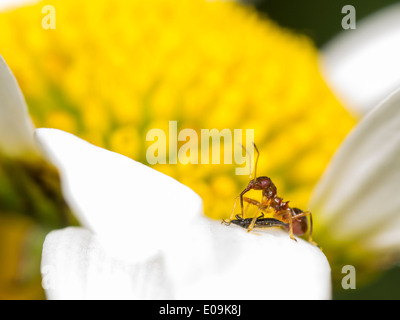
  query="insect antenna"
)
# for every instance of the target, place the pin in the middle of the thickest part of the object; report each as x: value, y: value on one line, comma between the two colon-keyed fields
x: 252, y: 173
x: 255, y: 165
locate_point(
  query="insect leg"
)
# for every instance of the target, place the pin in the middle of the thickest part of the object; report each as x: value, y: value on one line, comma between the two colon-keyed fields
x: 253, y: 222
x: 252, y: 201
x: 290, y: 220
x: 247, y: 208
x: 309, y: 214
x: 291, y: 228
x: 228, y: 222
x: 233, y: 210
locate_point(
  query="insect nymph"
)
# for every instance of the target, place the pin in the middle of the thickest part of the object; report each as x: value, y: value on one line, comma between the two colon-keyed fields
x: 293, y: 219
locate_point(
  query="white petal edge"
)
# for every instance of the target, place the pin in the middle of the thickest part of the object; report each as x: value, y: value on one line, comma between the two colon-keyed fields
x: 235, y: 265
x: 131, y: 207
x: 362, y: 65
x: 358, y: 193
x: 16, y: 128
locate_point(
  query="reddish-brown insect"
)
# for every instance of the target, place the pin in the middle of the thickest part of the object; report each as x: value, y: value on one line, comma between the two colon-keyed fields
x: 294, y: 218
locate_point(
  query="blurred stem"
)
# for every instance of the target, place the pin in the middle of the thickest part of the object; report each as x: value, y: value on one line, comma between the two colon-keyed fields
x: 35, y: 192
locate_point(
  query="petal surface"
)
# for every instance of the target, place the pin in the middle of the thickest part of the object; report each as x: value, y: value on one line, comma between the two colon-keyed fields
x: 76, y: 266
x: 16, y: 128
x: 127, y: 204
x: 358, y: 194
x: 362, y: 65
x: 261, y: 265
x: 234, y: 265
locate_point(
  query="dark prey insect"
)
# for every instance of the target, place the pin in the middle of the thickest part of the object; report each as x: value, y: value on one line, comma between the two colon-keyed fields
x: 261, y: 222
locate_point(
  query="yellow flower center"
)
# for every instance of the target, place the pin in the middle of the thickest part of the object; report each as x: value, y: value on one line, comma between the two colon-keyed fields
x: 113, y: 70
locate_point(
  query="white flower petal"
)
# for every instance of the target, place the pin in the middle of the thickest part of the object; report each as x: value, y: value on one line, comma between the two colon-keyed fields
x: 358, y: 193
x: 362, y: 65
x: 210, y: 261
x: 76, y: 266
x: 16, y: 129
x: 388, y: 240
x: 127, y: 204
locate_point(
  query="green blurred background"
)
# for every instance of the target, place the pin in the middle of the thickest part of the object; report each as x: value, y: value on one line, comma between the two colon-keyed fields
x: 321, y: 20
